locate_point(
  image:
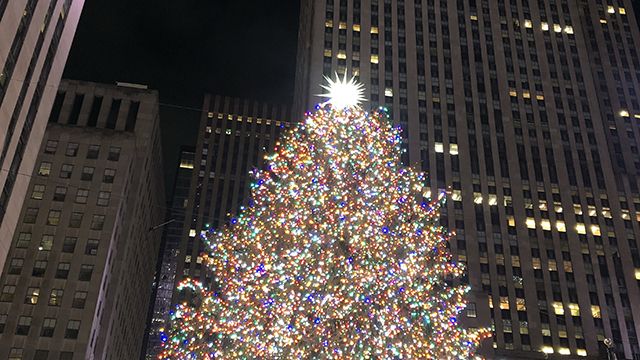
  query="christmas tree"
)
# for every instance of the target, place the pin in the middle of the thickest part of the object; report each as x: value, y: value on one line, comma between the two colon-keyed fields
x: 337, y: 255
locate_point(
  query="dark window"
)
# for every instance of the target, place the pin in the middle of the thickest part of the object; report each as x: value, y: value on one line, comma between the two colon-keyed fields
x: 112, y: 118
x: 79, y: 299
x: 85, y: 272
x: 69, y: 244
x: 57, y: 106
x: 24, y: 324
x: 71, y: 332
x: 92, y: 247
x: 75, y: 111
x: 114, y: 153
x: 93, y: 151
x: 62, y: 272
x: 132, y: 116
x: 95, y: 111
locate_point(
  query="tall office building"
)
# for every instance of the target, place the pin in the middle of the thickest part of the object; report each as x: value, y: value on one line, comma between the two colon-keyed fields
x: 234, y: 135
x: 527, y: 110
x: 165, y: 280
x: 35, y: 38
x: 77, y: 282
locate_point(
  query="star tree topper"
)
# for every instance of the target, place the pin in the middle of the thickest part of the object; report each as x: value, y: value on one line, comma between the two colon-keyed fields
x: 343, y: 93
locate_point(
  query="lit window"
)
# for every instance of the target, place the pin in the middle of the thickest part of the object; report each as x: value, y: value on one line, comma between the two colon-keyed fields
x: 439, y: 147
x: 341, y: 55
x: 388, y: 92
x: 374, y: 58
x: 44, y: 169
x: 474, y: 17
x: 526, y: 95
x: 528, y: 24
x: 595, y: 311
x: 46, y: 243
x: 456, y: 195
x: 595, y: 230
x: 53, y: 218
x: 453, y: 149
x: 477, y: 198
x: 581, y: 352
x: 531, y: 223
x: 557, y: 28
x: 564, y: 351
x: 55, y: 298
x: 611, y: 9
x: 603, y: 21
x: 374, y: 29
x: 192, y: 233
x: 545, y: 26
x: 622, y: 11
x: 540, y: 97
x: 356, y: 27
x: 328, y: 23
x: 558, y: 309
x: 342, y: 25
x: 327, y: 53
x: 492, y: 200
x: 624, y: 113
x: 575, y: 309
x: 581, y: 228
x: 637, y: 273
x: 568, y: 29
x: 545, y: 224
x: 511, y: 221
x: 33, y: 293
x: 513, y: 93
x: 547, y: 349
x: 38, y: 192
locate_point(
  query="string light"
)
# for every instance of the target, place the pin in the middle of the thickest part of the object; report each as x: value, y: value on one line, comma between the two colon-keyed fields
x: 337, y: 256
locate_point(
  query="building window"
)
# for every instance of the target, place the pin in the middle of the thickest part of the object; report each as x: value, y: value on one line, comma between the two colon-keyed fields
x: 48, y: 327
x: 76, y: 219
x: 93, y: 152
x: 46, y: 243
x: 86, y: 271
x: 44, y: 169
x: 53, y: 218
x: 7, y: 293
x: 103, y: 198
x: 92, y: 247
x: 39, y: 268
x: 79, y: 299
x: 81, y: 196
x: 97, y: 223
x: 38, y: 192
x: 66, y: 355
x: 62, y: 272
x: 55, y: 298
x: 69, y: 244
x: 24, y: 239
x: 471, y: 310
x: 72, y: 149
x: 51, y: 147
x: 15, y: 266
x: 60, y: 194
x: 109, y: 175
x: 87, y: 173
x: 30, y: 215
x: 66, y: 171
x: 73, y: 326
x: 24, y: 324
x: 16, y: 354
x: 33, y: 293
x: 3, y: 322
x: 114, y: 153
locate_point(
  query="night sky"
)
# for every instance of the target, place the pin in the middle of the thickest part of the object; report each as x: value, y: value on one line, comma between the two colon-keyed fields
x: 185, y: 48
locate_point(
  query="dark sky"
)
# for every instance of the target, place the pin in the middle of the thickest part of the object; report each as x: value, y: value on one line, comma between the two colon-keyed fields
x: 185, y: 48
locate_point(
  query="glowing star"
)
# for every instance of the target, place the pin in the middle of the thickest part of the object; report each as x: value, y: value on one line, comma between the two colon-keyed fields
x: 343, y: 93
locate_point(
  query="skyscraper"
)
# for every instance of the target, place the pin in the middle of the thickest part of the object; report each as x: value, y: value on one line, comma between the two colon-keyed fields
x: 234, y: 135
x: 77, y: 284
x: 165, y: 281
x: 35, y: 38
x: 527, y: 111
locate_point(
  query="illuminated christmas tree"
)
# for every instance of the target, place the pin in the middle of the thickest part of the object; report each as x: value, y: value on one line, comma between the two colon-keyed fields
x: 337, y: 255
